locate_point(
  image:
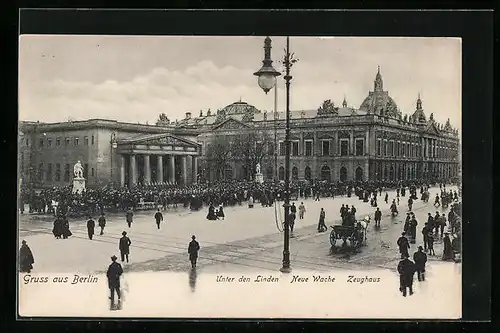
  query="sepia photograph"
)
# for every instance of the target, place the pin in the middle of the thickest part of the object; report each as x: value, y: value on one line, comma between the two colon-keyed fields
x: 240, y: 177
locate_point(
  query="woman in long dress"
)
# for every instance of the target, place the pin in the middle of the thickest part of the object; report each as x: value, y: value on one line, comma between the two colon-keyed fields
x: 26, y: 259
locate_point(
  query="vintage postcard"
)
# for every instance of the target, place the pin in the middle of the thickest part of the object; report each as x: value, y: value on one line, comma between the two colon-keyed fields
x: 239, y: 177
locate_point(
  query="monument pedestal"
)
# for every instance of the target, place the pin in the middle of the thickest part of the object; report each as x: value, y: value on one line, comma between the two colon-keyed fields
x: 259, y: 178
x: 78, y: 185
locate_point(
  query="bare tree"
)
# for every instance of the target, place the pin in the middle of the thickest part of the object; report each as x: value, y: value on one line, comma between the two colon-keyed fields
x: 252, y: 148
x: 218, y: 153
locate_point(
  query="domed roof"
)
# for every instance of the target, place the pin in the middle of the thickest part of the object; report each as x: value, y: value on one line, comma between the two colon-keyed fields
x: 380, y: 102
x: 239, y: 108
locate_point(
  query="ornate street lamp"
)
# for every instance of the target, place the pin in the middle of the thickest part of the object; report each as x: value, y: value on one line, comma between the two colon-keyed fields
x: 267, y: 80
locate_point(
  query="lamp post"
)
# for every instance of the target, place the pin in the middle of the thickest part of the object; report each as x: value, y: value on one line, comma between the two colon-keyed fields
x: 267, y: 77
x: 114, y: 145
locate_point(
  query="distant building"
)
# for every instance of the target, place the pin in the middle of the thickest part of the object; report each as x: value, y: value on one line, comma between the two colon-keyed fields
x: 374, y: 142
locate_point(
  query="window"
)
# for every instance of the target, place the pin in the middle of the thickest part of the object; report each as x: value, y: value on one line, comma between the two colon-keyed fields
x: 408, y: 149
x: 359, y: 147
x: 86, y: 140
x: 86, y: 170
x: 27, y: 142
x: 58, y: 172
x: 49, y: 142
x: 66, y: 172
x: 41, y: 143
x: 270, y: 148
x: 67, y: 142
x: 77, y: 141
x: 295, y: 148
x: 40, y: 172
x: 325, y: 147
x: 49, y: 172
x: 58, y: 142
x: 93, y: 172
x: 392, y: 148
x: 379, y: 147
x: 398, y: 145
x: 282, y: 149
x: 344, y: 147
x: 92, y: 139
x: 385, y: 147
x: 308, y: 148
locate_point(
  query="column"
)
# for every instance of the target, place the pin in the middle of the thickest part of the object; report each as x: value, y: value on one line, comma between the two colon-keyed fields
x: 159, y: 169
x: 133, y: 171
x: 184, y: 170
x: 147, y: 170
x: 367, y: 170
x: 171, y: 169
x: 336, y: 143
x: 367, y: 140
x: 422, y: 147
x: 351, y: 143
x: 122, y: 170
x: 194, y: 169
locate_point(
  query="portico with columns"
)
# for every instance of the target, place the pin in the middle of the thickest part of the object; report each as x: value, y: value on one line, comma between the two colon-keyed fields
x: 157, y: 158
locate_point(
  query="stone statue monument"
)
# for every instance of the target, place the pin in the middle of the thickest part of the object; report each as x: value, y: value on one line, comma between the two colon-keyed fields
x: 78, y: 180
x: 259, y: 177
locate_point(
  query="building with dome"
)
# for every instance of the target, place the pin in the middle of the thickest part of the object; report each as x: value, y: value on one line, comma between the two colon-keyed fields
x: 335, y: 143
x: 331, y: 143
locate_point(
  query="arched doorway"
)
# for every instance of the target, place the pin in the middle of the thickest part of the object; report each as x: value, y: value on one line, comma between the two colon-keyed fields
x: 391, y: 173
x: 281, y: 173
x: 307, y: 173
x: 359, y: 174
x: 269, y: 173
x: 295, y: 173
x: 343, y: 174
x: 385, y: 173
x: 325, y: 173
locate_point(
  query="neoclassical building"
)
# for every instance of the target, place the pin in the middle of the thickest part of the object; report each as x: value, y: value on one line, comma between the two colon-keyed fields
x: 334, y: 143
x: 374, y: 141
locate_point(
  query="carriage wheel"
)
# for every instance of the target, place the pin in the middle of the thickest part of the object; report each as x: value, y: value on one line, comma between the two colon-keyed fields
x: 333, y: 238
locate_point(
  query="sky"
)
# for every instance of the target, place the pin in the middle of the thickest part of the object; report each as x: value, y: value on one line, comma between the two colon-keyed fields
x: 135, y: 78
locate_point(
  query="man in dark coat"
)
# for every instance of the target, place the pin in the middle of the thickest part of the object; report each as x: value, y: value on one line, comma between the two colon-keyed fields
x: 114, y: 272
x: 129, y: 216
x: 413, y: 229
x: 403, y: 246
x: 378, y: 217
x: 406, y: 269
x: 158, y: 218
x: 293, y: 209
x: 291, y: 220
x: 420, y: 259
x: 90, y: 227
x: 447, y: 248
x: 425, y: 234
x: 321, y: 224
x: 102, y: 223
x: 26, y: 259
x: 410, y: 203
x: 124, y: 246
x: 193, y: 249
x: 65, y: 228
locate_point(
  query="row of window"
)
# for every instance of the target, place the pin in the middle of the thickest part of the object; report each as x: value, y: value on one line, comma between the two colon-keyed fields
x: 410, y: 149
x: 53, y: 172
x: 58, y: 141
x: 325, y: 148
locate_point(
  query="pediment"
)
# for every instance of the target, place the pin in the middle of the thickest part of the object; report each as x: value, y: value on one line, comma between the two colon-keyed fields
x: 160, y: 140
x: 432, y: 129
x: 231, y: 124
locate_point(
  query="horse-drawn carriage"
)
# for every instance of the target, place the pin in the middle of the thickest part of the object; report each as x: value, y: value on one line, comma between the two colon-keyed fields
x: 355, y: 234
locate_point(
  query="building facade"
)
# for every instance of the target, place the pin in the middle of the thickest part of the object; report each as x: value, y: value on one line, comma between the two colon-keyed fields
x: 111, y: 152
x: 373, y: 142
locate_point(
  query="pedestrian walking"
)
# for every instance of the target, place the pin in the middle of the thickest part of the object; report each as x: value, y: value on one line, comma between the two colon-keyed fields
x: 302, y: 210
x: 321, y: 225
x: 26, y: 259
x: 158, y: 218
x: 386, y: 199
x: 447, y: 248
x: 430, y: 244
x: 113, y: 274
x: 442, y: 224
x: 124, y: 246
x: 436, y: 201
x: 403, y: 246
x: 406, y: 270
x: 425, y: 235
x: 90, y: 227
x: 410, y: 203
x: 378, y: 217
x: 102, y: 223
x: 129, y: 215
x: 291, y: 220
x: 193, y: 249
x: 220, y: 212
x: 420, y: 258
